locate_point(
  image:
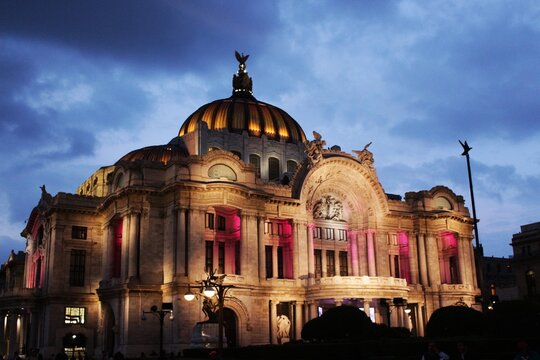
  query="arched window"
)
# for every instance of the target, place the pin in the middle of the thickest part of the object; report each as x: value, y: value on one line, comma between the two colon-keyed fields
x: 443, y: 203
x: 273, y: 169
x: 255, y: 160
x: 291, y: 166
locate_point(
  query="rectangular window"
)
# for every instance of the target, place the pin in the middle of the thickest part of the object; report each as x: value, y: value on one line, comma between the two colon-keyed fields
x: 268, y: 228
x: 396, y: 266
x: 343, y: 264
x: 79, y: 232
x: 317, y: 232
x: 221, y: 223
x: 221, y: 258
x: 76, y: 267
x: 342, y: 234
x: 75, y: 315
x: 318, y: 263
x: 237, y: 257
x: 329, y: 234
x: 268, y: 261
x: 330, y: 263
x: 453, y: 270
x: 209, y: 257
x: 210, y: 221
x: 280, y: 229
x: 280, y: 262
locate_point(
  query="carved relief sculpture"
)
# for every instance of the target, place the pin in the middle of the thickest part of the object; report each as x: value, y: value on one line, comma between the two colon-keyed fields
x: 314, y: 149
x: 328, y: 208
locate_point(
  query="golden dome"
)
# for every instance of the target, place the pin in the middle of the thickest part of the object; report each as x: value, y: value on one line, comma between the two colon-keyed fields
x: 174, y: 150
x: 242, y: 112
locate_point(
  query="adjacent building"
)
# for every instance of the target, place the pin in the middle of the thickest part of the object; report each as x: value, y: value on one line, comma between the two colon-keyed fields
x: 297, y: 228
x: 526, y: 260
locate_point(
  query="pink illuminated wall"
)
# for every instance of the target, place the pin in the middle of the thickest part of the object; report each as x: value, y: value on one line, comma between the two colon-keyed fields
x: 286, y: 243
x: 405, y: 271
x: 448, y: 259
x: 117, y: 249
x: 230, y: 237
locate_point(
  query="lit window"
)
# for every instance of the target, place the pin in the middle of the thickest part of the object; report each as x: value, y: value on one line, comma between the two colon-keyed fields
x: 210, y: 221
x: 75, y: 315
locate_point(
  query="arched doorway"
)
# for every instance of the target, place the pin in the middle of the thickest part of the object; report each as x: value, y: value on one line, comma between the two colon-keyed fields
x: 230, y: 325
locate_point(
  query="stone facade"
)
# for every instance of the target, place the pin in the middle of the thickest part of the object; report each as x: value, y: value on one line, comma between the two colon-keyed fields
x: 322, y: 233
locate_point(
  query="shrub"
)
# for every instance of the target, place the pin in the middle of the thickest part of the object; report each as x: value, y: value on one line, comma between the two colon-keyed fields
x: 451, y: 321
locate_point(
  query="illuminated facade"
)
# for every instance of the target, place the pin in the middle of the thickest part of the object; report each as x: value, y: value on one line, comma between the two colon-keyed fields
x: 297, y: 228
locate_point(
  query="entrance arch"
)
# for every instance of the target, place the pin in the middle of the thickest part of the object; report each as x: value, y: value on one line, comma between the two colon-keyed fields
x: 230, y: 324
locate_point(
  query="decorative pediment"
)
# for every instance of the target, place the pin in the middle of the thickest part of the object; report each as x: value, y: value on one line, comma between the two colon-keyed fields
x: 328, y: 208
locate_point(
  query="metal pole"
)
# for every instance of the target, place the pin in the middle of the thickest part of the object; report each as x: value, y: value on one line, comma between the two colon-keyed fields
x: 479, y: 252
x: 221, y: 300
x: 161, y: 317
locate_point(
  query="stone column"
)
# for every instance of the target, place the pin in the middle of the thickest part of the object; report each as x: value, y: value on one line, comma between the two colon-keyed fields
x: 106, y: 261
x: 260, y: 241
x: 311, y: 252
x: 313, y: 309
x: 295, y: 250
x: 434, y: 268
x: 367, y: 306
x: 323, y: 263
x: 462, y: 267
x: 181, y: 258
x: 125, y: 248
x: 195, y: 251
x: 244, y: 250
x: 275, y: 261
x: 273, y: 321
x: 354, y: 255
x: 413, y: 258
x: 472, y: 262
x: 422, y: 261
x: 361, y: 241
x: 298, y: 320
x: 371, y: 254
x: 133, y: 261
x: 301, y: 239
x: 420, y: 320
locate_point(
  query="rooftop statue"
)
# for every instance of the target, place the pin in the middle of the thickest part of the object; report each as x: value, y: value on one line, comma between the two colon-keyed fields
x: 241, y: 80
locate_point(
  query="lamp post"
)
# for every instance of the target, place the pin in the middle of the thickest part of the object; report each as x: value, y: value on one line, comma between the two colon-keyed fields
x: 166, y: 308
x: 208, y: 288
x: 479, y: 251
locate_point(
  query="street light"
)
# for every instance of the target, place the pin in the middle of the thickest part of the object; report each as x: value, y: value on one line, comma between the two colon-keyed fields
x: 479, y: 251
x: 166, y: 308
x: 208, y: 288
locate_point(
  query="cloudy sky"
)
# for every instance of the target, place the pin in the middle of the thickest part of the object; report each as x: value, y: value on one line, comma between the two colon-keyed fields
x: 83, y: 83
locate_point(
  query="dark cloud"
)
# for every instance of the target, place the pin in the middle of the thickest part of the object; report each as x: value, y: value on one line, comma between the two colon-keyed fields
x: 155, y: 33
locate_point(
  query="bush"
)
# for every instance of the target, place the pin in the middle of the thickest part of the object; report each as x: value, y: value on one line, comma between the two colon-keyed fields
x: 342, y: 322
x: 452, y: 321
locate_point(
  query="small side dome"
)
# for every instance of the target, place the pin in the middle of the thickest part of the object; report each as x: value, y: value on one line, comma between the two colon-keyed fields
x: 176, y: 149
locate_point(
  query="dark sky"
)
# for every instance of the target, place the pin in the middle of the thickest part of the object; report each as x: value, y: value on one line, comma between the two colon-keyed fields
x: 82, y: 83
